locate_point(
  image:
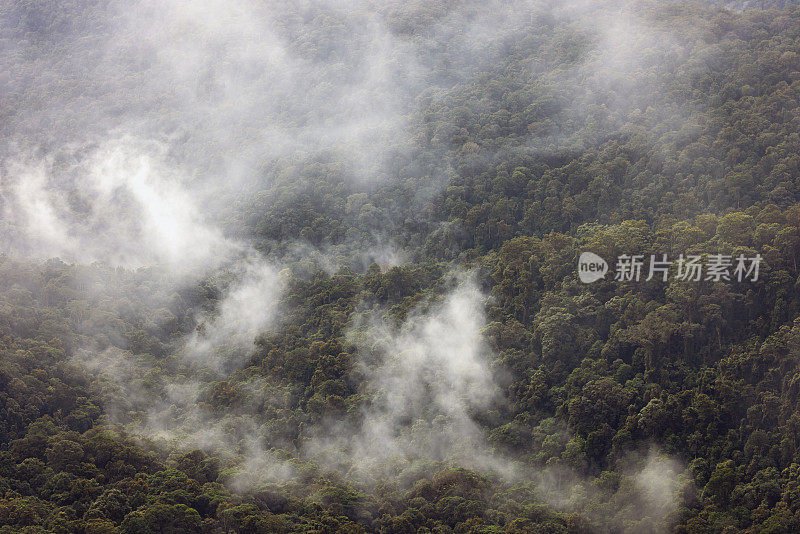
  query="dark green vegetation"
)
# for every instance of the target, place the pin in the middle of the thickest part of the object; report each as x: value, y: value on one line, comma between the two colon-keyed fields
x: 693, y: 151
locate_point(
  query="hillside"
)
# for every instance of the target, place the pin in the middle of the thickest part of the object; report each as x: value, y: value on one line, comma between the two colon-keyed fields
x: 272, y: 266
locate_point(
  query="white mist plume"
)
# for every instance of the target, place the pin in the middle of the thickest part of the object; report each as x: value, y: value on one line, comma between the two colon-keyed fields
x: 643, y: 498
x: 224, y: 339
x: 27, y: 204
x: 658, y: 484
x: 233, y: 83
x: 229, y: 86
x: 120, y: 203
x: 426, y: 378
x: 183, y: 412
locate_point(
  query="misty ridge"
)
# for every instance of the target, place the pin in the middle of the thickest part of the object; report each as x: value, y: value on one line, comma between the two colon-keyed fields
x: 313, y: 265
x: 215, y: 105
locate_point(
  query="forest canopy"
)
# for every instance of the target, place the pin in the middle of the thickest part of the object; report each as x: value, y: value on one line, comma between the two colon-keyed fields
x: 272, y: 266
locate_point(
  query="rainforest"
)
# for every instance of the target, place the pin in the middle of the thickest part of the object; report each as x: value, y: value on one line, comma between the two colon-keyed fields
x: 272, y: 266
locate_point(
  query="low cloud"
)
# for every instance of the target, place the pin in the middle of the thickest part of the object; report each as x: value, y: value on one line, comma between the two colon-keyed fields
x: 426, y: 380
x: 642, y: 494
x: 120, y: 203
x: 225, y: 337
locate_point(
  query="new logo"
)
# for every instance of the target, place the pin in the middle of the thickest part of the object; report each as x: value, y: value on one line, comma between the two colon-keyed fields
x: 591, y: 267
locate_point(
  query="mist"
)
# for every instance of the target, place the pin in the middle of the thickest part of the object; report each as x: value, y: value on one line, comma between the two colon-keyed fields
x: 427, y: 379
x: 119, y: 203
x: 134, y: 136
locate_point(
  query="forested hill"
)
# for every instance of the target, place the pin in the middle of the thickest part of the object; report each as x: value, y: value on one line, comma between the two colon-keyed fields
x: 276, y: 266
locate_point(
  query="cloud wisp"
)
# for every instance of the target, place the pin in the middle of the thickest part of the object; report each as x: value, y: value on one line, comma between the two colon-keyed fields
x: 426, y: 380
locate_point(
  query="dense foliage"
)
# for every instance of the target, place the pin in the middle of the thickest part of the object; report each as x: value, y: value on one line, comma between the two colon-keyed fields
x: 512, y: 172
